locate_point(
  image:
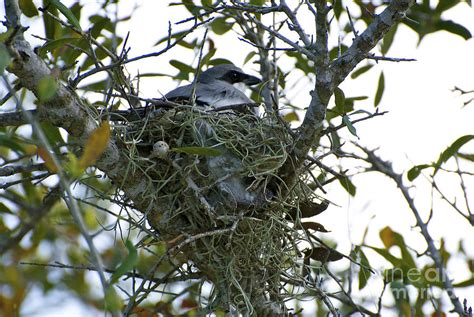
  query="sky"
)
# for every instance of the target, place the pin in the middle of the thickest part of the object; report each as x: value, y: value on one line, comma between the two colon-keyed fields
x: 425, y: 116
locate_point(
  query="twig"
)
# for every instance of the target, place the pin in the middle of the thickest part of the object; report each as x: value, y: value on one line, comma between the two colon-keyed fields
x: 386, y: 168
x: 464, y: 191
x: 15, y: 169
x: 342, y: 125
x: 24, y: 179
x: 65, y: 186
x: 301, y: 49
x: 367, y: 40
x: 26, y: 225
x: 389, y: 59
x: 295, y: 23
x: 169, y: 46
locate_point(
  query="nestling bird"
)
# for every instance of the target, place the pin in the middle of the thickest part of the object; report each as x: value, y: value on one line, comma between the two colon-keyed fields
x: 214, y: 87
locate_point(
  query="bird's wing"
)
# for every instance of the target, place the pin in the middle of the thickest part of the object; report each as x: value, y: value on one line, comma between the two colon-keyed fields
x: 215, y: 94
x: 183, y: 92
x: 220, y: 94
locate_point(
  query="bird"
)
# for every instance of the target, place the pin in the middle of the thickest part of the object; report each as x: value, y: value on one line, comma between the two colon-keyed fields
x: 215, y: 89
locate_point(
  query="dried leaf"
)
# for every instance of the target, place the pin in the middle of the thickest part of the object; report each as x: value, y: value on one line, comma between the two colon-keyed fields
x: 323, y: 254
x: 95, y: 145
x: 48, y: 160
x: 307, y: 209
x: 314, y: 226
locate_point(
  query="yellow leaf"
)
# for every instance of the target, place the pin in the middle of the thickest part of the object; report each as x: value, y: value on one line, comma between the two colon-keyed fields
x: 388, y: 237
x: 30, y: 149
x: 95, y: 145
x: 48, y: 160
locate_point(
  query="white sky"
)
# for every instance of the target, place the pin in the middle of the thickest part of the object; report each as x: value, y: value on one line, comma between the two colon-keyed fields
x: 424, y: 117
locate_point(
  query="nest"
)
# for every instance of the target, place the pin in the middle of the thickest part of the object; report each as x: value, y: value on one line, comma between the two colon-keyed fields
x: 217, y: 198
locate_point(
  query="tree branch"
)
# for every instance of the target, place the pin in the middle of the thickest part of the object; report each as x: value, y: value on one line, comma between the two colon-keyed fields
x: 66, y: 110
x: 386, y: 168
x: 365, y: 42
x: 330, y: 75
x: 37, y: 213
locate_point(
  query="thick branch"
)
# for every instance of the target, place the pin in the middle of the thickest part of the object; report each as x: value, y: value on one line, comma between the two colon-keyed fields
x: 329, y: 76
x: 316, y: 113
x: 366, y: 41
x: 66, y: 110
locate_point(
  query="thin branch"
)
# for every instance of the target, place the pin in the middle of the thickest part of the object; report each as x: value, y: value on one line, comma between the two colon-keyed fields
x: 386, y: 168
x: 26, y: 225
x: 15, y: 169
x: 464, y: 191
x: 169, y: 45
x: 278, y: 35
x: 389, y: 59
x: 16, y: 118
x: 295, y: 26
x: 328, y: 130
x: 25, y: 179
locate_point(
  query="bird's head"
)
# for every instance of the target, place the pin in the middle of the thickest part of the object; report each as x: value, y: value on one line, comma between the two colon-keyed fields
x: 228, y: 73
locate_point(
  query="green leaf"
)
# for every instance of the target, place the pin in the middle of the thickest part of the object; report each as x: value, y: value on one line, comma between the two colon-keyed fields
x: 182, y: 67
x: 112, y: 300
x: 380, y: 89
x: 415, y: 171
x: 51, y: 45
x: 347, y: 122
x: 13, y: 143
x: 127, y: 264
x: 361, y: 71
x: 52, y: 133
x: 66, y: 12
x: 220, y: 26
x: 339, y: 99
x: 348, y: 185
x: 390, y: 238
x: 47, y: 88
x: 291, y: 116
x: 396, y: 262
x: 196, y: 150
x: 51, y: 27
x: 452, y: 150
x: 364, y: 273
x: 468, y: 157
x: 99, y: 25
x: 465, y: 283
x: 28, y: 8
x: 455, y: 28
x: 445, y: 5
x: 249, y: 57
x: 4, y: 58
x: 388, y: 40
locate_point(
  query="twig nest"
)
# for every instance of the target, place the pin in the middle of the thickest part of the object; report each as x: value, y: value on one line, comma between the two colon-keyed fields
x: 218, y: 196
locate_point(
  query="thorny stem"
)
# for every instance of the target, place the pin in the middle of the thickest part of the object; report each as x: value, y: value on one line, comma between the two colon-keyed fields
x: 386, y: 168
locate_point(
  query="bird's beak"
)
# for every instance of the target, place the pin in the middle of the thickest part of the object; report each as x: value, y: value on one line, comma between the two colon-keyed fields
x: 251, y: 80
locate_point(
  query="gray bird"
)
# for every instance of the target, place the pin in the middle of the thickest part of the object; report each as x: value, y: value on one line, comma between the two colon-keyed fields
x: 214, y: 87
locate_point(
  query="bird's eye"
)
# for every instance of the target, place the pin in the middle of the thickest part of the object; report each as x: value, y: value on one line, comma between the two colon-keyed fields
x: 234, y: 75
